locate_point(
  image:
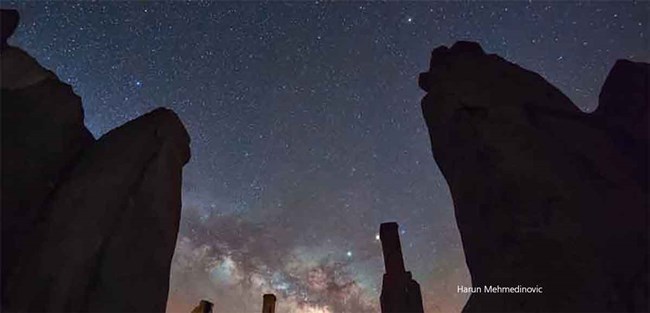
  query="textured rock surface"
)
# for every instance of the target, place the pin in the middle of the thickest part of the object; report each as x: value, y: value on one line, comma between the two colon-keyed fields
x: 86, y: 225
x: 544, y: 194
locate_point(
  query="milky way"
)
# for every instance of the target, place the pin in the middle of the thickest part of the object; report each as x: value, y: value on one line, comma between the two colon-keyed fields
x: 306, y: 126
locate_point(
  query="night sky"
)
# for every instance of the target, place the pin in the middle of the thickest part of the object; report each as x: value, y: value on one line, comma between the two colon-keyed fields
x: 306, y: 126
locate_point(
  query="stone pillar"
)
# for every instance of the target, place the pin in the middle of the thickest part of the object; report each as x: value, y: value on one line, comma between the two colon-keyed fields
x: 390, y: 244
x: 203, y: 307
x: 399, y: 292
x: 269, y: 303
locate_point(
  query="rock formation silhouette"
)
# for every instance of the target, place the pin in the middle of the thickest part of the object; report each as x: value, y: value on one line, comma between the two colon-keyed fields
x: 544, y: 194
x: 203, y: 307
x: 87, y: 225
x: 268, y: 303
x: 400, y: 293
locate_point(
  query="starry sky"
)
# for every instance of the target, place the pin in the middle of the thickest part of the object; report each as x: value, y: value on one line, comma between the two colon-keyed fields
x: 306, y: 126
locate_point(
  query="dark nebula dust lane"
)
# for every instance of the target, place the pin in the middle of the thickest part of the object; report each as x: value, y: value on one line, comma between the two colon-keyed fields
x: 306, y: 126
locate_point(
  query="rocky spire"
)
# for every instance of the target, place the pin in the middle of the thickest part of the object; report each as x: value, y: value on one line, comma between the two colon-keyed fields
x: 399, y: 292
x: 268, y: 305
x: 203, y: 307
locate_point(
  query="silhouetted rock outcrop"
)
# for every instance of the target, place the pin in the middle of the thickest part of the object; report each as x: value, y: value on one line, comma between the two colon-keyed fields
x: 400, y: 293
x: 87, y: 225
x: 268, y: 303
x: 544, y: 194
x: 203, y: 307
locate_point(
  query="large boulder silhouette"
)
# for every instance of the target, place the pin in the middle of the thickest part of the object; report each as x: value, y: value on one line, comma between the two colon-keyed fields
x: 544, y: 194
x: 87, y: 225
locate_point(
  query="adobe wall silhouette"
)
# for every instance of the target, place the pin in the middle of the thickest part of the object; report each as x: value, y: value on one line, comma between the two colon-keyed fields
x: 87, y: 224
x: 544, y: 194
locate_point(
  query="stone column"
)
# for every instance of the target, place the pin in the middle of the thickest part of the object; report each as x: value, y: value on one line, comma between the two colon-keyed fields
x: 269, y: 303
x: 399, y: 292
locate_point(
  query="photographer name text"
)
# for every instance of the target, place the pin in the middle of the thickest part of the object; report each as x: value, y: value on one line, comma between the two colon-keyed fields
x: 499, y: 289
